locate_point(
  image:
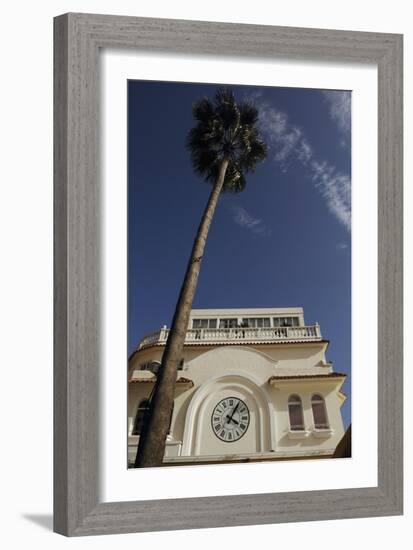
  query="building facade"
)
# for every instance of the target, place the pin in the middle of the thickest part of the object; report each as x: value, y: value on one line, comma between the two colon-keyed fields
x: 253, y: 384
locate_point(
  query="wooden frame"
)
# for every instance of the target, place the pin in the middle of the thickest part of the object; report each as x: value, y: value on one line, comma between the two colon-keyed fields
x: 78, y: 38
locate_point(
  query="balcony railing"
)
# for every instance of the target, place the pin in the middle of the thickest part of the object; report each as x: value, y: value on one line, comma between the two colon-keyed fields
x: 238, y: 335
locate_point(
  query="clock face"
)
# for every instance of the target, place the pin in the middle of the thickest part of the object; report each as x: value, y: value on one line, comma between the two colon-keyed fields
x: 230, y: 419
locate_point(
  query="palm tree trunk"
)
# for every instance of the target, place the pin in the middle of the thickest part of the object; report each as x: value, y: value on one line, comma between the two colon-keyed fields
x: 155, y: 429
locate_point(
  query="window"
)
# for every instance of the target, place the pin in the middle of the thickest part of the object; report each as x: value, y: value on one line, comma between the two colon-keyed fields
x: 228, y: 323
x: 257, y: 322
x: 319, y: 412
x: 295, y: 411
x: 286, y: 321
x: 204, y: 323
x: 143, y: 407
x: 152, y: 366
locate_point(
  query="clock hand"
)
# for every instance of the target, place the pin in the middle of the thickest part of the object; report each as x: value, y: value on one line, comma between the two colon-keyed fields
x: 233, y: 412
x: 229, y: 419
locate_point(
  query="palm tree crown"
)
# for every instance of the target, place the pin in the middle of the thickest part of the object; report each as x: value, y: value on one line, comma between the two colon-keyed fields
x: 225, y: 130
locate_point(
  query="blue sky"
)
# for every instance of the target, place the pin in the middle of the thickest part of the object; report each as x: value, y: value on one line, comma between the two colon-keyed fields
x: 284, y: 242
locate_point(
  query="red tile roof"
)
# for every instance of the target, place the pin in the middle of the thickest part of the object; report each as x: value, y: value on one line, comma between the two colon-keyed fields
x: 153, y: 380
x: 307, y: 376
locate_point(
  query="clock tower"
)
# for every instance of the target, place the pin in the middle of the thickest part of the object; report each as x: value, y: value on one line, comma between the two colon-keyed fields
x: 253, y: 384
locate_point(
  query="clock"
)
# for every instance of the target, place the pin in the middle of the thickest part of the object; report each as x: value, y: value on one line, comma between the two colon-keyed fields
x: 230, y: 419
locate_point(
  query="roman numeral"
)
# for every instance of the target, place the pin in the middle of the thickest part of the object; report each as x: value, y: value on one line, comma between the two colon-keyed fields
x: 218, y: 427
x: 242, y: 426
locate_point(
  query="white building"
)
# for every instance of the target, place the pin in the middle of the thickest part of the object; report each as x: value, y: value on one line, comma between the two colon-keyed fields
x: 252, y: 384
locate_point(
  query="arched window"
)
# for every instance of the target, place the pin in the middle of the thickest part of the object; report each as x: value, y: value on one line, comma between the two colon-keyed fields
x: 319, y: 412
x: 295, y: 410
x: 140, y: 416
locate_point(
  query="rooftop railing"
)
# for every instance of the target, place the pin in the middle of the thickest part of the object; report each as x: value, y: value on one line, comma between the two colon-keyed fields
x: 238, y: 335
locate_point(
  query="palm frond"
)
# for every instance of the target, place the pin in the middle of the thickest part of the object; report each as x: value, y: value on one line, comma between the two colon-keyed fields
x: 203, y: 110
x: 235, y: 181
x: 224, y: 95
x: 226, y: 109
x: 248, y: 113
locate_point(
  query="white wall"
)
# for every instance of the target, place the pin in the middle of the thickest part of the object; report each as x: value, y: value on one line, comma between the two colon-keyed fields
x: 26, y: 274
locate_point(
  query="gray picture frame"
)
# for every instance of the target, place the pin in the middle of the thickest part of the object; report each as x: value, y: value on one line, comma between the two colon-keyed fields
x: 78, y: 39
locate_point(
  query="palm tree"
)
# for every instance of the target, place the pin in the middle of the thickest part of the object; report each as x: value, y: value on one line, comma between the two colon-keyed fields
x: 224, y: 144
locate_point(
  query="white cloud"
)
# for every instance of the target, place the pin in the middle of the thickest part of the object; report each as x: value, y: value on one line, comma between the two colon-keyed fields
x: 341, y: 246
x: 304, y: 151
x: 340, y: 108
x: 245, y: 219
x: 336, y: 190
x: 288, y: 143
